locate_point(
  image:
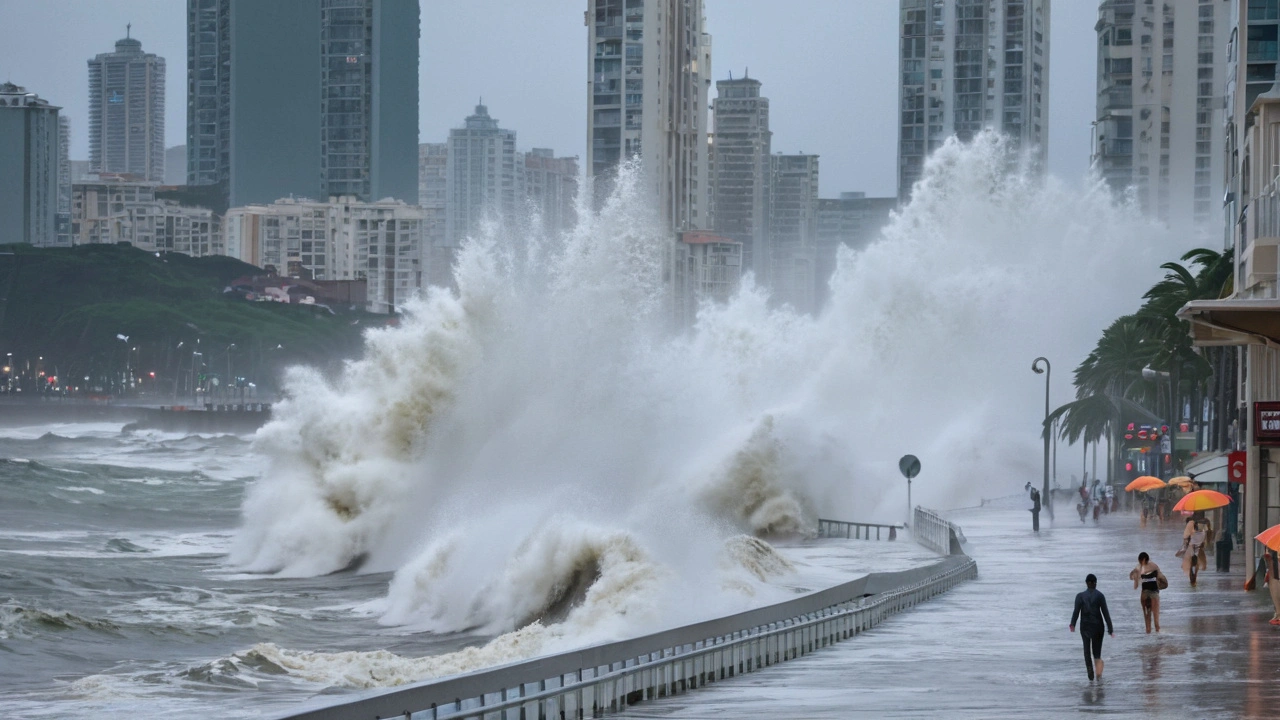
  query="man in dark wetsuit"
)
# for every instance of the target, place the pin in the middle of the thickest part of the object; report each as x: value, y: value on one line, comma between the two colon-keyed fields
x: 1091, y: 610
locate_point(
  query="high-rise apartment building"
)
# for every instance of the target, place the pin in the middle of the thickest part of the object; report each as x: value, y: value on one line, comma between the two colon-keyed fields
x: 483, y: 178
x: 853, y: 220
x: 549, y: 185
x: 1160, y: 84
x: 967, y: 65
x: 126, y: 112
x: 343, y: 239
x: 793, y: 229
x: 433, y: 178
x: 62, y: 222
x: 650, y: 68
x: 208, y: 92
x: 29, y: 162
x: 113, y: 211
x: 740, y: 170
x: 308, y: 98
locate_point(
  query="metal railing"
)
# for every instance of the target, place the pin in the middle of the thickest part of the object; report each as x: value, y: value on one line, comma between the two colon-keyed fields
x: 855, y: 530
x: 606, y: 678
x: 933, y: 532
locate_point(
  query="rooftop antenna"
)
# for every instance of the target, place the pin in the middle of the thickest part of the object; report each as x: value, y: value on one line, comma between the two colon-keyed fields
x: 730, y: 74
x: 128, y: 29
x: 746, y: 73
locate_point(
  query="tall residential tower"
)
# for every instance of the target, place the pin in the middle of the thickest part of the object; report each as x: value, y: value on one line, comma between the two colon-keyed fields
x: 968, y: 65
x: 650, y: 69
x: 126, y: 112
x: 29, y: 160
x: 740, y: 170
x: 1160, y: 84
x: 312, y: 98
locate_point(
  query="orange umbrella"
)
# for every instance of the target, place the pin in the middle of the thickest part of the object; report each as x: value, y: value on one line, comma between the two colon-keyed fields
x: 1146, y: 482
x: 1182, y: 481
x: 1202, y: 500
x: 1270, y: 537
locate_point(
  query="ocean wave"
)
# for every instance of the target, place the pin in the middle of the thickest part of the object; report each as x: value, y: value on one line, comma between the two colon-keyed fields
x: 26, y: 622
x: 519, y: 446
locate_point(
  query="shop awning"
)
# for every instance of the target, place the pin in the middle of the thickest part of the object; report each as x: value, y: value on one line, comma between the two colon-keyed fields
x: 1233, y: 321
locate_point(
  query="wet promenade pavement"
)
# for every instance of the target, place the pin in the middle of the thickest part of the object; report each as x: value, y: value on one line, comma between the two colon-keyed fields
x: 998, y: 646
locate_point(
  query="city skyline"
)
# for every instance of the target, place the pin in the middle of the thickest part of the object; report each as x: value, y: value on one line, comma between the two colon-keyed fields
x: 789, y: 48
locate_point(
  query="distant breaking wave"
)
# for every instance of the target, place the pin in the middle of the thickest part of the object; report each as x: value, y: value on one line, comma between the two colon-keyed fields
x: 536, y: 455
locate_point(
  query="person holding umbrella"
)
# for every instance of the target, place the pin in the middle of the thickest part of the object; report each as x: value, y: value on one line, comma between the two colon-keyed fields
x: 1270, y: 538
x: 1195, y: 536
x: 1198, y: 531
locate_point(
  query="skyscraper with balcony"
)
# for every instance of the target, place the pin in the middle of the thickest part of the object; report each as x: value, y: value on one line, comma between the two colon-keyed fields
x: 1160, y: 80
x: 650, y: 68
x: 29, y: 161
x: 968, y: 65
x: 740, y: 170
x: 126, y: 112
x: 310, y: 98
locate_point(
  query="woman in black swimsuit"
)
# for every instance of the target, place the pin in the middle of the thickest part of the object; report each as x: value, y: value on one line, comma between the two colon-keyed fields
x: 1147, y: 575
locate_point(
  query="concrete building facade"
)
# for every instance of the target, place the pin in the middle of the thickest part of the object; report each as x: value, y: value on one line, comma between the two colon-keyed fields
x: 853, y: 220
x: 433, y: 178
x: 649, y: 74
x: 308, y: 98
x: 29, y: 162
x: 706, y: 268
x: 968, y: 65
x: 1160, y: 83
x: 113, y: 211
x: 549, y: 187
x: 343, y: 239
x: 793, y: 230
x: 482, y: 180
x: 740, y: 170
x: 62, y: 221
x: 126, y: 112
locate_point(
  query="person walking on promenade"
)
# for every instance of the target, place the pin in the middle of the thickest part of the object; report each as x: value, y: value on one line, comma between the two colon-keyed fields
x: 1091, y: 610
x: 1273, y: 583
x: 1195, y: 536
x: 1149, y: 576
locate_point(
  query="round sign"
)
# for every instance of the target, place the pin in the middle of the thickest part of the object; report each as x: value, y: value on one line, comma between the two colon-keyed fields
x: 909, y: 465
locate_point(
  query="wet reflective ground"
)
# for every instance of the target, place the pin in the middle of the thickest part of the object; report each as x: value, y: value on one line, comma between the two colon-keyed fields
x: 999, y: 646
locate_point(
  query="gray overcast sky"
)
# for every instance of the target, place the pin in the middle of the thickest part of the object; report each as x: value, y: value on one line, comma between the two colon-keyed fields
x: 829, y: 68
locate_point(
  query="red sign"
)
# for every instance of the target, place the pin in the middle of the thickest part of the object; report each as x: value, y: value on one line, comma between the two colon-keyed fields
x: 1266, y: 418
x: 1236, y: 466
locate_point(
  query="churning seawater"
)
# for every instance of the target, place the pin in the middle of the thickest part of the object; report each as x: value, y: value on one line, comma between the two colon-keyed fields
x: 536, y: 462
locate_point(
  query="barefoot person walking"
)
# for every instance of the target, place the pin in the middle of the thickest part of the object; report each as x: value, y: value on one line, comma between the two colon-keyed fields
x: 1091, y: 610
x: 1148, y: 575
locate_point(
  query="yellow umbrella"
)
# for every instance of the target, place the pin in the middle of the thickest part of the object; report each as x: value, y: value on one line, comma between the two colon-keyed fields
x: 1271, y: 538
x: 1182, y: 481
x: 1202, y: 500
x: 1146, y: 482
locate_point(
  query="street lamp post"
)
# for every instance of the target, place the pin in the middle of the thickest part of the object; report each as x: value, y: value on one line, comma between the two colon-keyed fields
x: 1035, y: 367
x: 1150, y: 373
x: 195, y: 391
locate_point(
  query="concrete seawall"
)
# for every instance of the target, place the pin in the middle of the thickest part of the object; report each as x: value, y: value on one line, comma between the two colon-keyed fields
x: 606, y: 678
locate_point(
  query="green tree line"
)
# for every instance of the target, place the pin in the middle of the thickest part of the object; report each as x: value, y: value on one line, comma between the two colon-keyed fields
x: 1182, y: 383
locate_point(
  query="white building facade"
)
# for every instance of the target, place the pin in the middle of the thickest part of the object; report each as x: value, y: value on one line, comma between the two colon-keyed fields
x: 343, y: 239
x: 482, y: 176
x: 110, y: 211
x: 968, y: 65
